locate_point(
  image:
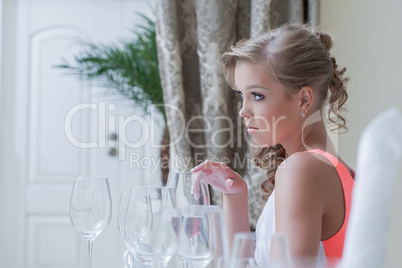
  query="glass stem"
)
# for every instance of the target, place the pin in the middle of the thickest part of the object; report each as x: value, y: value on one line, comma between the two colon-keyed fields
x: 90, y: 243
x: 130, y: 260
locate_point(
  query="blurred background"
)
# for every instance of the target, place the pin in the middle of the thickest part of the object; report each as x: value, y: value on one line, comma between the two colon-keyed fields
x: 38, y: 161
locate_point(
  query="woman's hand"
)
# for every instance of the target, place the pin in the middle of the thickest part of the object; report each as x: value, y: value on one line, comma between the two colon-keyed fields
x: 235, y: 195
x: 220, y: 176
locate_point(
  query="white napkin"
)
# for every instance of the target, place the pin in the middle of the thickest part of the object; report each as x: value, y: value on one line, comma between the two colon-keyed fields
x: 379, y: 156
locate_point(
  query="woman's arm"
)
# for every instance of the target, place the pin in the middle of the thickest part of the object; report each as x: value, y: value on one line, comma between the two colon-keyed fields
x: 299, y: 203
x: 235, y: 210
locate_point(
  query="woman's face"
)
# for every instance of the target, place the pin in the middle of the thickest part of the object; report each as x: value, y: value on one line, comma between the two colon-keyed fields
x: 270, y: 115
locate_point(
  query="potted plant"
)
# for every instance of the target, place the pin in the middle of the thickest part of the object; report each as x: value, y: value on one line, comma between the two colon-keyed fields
x: 130, y: 68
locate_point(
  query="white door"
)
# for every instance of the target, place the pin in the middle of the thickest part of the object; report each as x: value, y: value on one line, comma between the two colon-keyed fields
x: 48, y: 117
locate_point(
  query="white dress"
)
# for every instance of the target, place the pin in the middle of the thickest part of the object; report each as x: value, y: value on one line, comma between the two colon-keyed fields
x: 265, y: 229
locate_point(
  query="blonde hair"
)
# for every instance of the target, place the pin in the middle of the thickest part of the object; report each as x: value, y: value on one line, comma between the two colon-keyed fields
x: 296, y: 56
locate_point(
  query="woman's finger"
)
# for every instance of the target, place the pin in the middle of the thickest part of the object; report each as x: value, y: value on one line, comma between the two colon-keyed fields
x: 200, y: 166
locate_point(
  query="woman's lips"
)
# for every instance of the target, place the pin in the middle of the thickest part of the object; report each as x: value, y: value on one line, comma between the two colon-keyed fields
x: 251, y: 129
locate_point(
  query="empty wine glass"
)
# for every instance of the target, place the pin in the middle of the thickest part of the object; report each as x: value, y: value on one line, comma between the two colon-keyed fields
x: 243, y: 249
x: 90, y: 208
x: 121, y: 217
x: 166, y: 236
x: 138, y: 220
x: 121, y: 223
x: 154, y: 241
x: 202, y: 235
x: 191, y: 188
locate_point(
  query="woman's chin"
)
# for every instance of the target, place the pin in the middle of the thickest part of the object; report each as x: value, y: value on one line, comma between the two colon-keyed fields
x: 264, y: 143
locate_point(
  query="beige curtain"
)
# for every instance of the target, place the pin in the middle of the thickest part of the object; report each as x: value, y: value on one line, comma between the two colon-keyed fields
x: 201, y: 109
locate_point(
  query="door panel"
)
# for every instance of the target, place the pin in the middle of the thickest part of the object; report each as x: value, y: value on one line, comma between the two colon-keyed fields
x: 52, y: 158
x: 55, y: 242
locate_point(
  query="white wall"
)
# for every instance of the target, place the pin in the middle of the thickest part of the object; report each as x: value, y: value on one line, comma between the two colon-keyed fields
x: 369, y: 45
x: 11, y: 241
x: 369, y: 42
x: 1, y: 31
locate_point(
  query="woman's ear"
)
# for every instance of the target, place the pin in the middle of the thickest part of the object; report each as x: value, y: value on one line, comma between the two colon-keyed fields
x: 306, y: 99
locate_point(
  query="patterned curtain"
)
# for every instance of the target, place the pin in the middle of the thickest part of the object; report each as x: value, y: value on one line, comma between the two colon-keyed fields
x: 201, y: 109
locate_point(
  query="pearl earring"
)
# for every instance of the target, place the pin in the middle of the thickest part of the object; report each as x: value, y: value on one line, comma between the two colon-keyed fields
x: 303, y: 114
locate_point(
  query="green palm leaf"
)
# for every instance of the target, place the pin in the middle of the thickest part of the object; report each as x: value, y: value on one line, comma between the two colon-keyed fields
x: 130, y: 67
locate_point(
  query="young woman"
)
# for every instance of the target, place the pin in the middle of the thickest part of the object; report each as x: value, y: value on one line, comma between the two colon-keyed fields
x: 284, y: 78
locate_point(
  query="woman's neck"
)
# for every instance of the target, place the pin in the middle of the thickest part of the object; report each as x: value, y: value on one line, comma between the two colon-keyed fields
x: 313, y: 136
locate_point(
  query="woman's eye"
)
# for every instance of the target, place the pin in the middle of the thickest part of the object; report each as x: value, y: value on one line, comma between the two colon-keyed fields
x: 257, y: 97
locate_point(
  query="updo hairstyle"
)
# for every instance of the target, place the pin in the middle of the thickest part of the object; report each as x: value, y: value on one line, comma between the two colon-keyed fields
x: 296, y: 56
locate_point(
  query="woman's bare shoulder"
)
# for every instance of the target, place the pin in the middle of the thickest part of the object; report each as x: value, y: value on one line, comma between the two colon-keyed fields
x: 303, y: 162
x: 304, y: 170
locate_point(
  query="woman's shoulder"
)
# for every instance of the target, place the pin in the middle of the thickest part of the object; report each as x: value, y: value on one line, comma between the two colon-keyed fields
x: 300, y: 189
x: 303, y: 168
x: 303, y: 161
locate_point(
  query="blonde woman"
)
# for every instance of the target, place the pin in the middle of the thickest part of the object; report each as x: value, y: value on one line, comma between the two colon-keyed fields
x: 284, y: 78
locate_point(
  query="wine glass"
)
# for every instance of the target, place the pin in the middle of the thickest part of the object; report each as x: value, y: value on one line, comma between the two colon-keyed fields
x: 153, y: 241
x: 191, y: 188
x: 90, y: 208
x: 202, y: 235
x: 165, y: 239
x: 121, y: 217
x: 243, y: 249
x: 138, y: 220
x: 121, y: 223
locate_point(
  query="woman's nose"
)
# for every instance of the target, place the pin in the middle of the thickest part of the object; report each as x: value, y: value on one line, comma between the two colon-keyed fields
x: 244, y: 111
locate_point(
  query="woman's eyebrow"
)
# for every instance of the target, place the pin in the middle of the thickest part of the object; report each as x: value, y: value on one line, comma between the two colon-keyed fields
x: 257, y: 86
